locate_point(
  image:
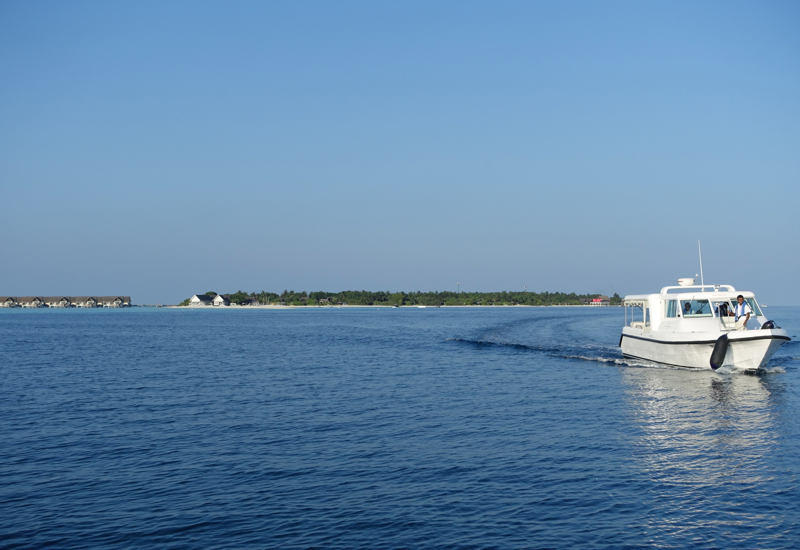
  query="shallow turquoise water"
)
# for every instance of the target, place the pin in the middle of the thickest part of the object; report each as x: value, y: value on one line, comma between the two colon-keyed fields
x: 390, y: 428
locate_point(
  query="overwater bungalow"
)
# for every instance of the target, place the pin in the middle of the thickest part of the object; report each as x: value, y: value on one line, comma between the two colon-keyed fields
x: 58, y: 301
x: 65, y: 301
x: 84, y: 301
x: 31, y: 301
x: 115, y: 301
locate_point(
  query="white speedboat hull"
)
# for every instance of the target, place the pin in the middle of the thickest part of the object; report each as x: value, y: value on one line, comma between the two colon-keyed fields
x: 747, y: 350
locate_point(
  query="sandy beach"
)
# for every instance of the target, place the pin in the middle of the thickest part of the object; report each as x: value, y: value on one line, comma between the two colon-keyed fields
x: 276, y: 307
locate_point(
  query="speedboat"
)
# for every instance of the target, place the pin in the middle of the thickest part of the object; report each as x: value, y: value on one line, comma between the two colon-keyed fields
x: 694, y: 326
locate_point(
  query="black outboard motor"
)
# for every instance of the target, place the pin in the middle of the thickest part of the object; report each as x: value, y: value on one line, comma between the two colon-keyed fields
x: 769, y: 325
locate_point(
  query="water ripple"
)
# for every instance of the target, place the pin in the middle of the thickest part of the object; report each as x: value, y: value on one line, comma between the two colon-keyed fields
x: 497, y: 428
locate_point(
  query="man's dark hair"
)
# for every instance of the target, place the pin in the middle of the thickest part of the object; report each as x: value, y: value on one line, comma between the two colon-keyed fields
x: 740, y: 296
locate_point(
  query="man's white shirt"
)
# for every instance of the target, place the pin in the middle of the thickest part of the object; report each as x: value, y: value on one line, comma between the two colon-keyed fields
x: 742, y: 310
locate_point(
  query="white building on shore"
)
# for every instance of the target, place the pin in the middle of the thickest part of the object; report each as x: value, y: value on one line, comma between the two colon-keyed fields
x: 201, y: 300
x: 208, y: 300
x: 221, y: 300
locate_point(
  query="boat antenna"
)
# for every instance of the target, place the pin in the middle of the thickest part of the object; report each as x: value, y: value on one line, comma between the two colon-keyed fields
x: 700, y: 251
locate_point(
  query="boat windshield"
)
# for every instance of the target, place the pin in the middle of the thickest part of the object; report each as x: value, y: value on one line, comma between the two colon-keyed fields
x: 753, y: 306
x: 696, y: 308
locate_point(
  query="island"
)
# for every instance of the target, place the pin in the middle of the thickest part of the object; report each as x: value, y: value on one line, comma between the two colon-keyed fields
x: 399, y: 299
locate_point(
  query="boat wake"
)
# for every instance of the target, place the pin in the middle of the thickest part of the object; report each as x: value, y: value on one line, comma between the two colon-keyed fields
x: 563, y: 353
x: 502, y: 344
x: 639, y: 363
x: 777, y: 369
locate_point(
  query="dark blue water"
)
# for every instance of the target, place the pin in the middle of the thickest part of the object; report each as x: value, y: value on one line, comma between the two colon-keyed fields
x: 390, y: 428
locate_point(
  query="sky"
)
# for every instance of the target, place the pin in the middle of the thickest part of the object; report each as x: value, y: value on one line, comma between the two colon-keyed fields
x: 163, y: 149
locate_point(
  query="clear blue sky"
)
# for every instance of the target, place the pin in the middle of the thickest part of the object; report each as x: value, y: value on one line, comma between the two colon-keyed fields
x: 160, y: 149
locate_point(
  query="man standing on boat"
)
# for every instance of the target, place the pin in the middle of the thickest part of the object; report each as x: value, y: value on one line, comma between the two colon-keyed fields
x: 742, y: 310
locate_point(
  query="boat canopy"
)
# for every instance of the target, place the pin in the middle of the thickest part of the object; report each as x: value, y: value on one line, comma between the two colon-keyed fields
x: 683, y: 288
x: 708, y: 292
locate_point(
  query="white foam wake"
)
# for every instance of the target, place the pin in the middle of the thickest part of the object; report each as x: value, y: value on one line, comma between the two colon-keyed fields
x: 777, y: 369
x: 618, y: 361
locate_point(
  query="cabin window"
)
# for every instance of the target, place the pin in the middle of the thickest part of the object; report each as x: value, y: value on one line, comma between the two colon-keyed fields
x: 672, y: 308
x: 753, y: 306
x: 696, y: 308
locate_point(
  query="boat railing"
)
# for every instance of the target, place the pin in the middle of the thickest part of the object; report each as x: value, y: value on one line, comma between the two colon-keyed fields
x: 730, y: 324
x: 727, y: 323
x: 723, y: 311
x: 640, y: 304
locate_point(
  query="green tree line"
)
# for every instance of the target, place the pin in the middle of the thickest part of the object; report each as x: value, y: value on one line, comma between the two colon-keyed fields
x: 388, y: 298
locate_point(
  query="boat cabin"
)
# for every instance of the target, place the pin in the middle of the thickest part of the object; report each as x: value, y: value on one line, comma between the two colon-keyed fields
x: 690, y: 308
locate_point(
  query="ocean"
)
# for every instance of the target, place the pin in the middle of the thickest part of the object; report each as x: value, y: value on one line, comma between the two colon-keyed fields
x: 384, y: 428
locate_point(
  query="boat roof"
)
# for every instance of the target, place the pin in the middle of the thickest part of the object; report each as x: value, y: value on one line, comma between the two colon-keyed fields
x: 705, y: 292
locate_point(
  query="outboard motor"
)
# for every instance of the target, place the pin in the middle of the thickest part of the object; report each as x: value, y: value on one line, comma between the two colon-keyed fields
x: 769, y: 325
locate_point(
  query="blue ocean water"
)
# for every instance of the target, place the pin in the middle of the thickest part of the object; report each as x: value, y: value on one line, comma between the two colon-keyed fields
x: 384, y: 428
